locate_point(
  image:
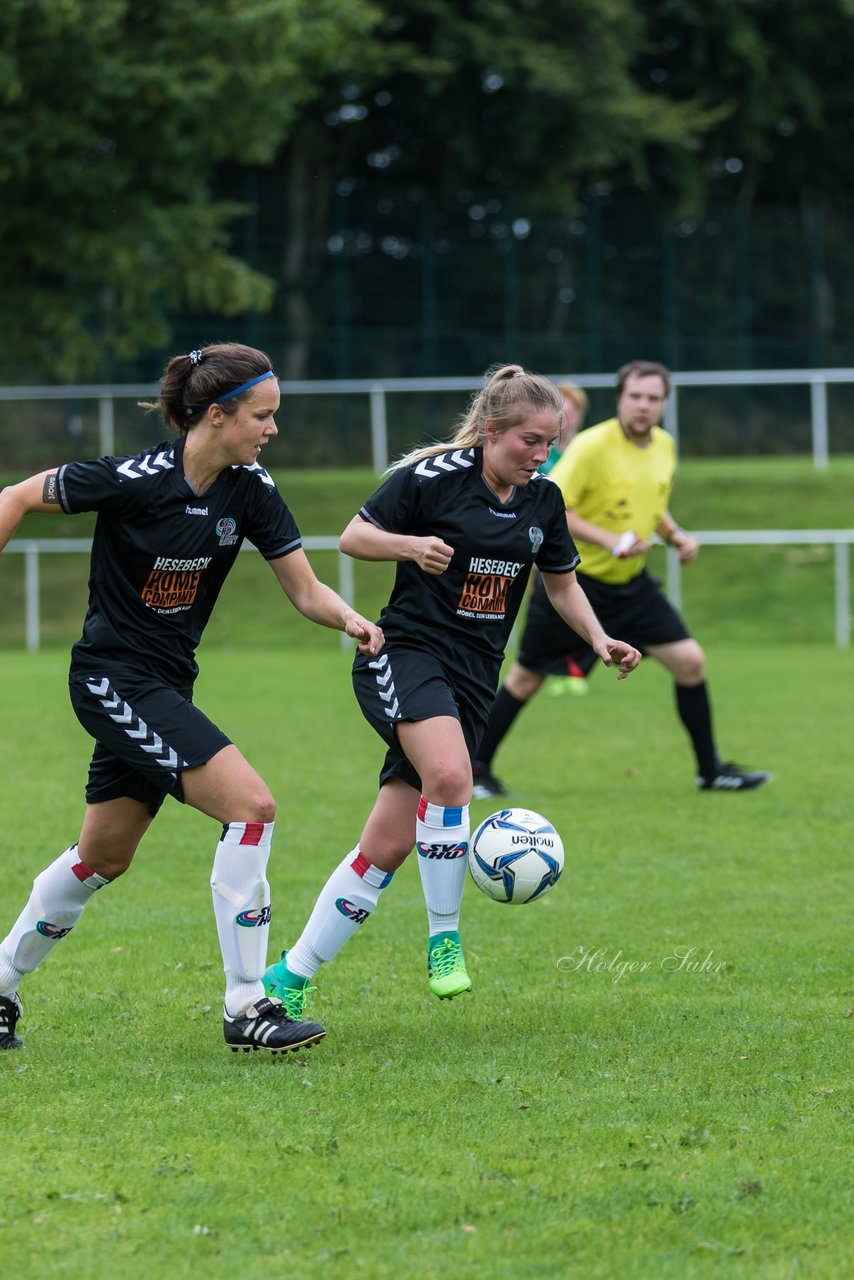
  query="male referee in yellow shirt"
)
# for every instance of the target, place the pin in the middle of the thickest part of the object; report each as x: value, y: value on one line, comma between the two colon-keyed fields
x: 616, y: 480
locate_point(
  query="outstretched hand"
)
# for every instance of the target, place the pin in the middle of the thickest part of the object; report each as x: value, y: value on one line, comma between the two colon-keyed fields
x: 617, y: 651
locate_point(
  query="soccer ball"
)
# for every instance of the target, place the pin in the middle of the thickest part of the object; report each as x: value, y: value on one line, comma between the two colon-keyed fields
x: 515, y: 855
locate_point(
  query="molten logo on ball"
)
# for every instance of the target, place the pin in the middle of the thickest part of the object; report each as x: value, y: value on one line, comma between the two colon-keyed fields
x: 515, y: 856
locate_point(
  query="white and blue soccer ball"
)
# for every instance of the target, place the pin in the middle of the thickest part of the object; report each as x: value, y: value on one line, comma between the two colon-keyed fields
x: 515, y: 855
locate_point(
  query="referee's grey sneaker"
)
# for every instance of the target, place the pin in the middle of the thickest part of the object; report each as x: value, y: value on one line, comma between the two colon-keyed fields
x: 730, y: 777
x: 265, y: 1025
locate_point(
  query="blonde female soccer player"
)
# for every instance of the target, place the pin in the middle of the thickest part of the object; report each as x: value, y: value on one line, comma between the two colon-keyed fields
x: 464, y: 522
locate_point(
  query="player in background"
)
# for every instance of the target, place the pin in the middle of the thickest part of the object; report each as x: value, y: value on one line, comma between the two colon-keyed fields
x: 170, y: 524
x: 575, y: 406
x: 616, y: 479
x: 464, y: 522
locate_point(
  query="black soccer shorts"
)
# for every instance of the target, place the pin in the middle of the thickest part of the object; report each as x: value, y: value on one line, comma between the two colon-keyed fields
x: 409, y: 684
x: 637, y: 612
x: 146, y: 734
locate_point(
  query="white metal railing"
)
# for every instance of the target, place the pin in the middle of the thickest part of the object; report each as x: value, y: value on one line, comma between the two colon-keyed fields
x: 378, y: 389
x: 32, y: 549
x: 839, y: 539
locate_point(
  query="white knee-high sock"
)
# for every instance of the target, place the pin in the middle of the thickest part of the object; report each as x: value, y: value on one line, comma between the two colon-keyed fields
x: 442, y: 842
x: 346, y: 900
x: 241, y: 899
x: 55, y: 905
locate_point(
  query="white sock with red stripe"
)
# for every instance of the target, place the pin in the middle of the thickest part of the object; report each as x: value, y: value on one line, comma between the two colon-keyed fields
x: 56, y: 903
x: 346, y: 900
x: 441, y: 842
x: 241, y: 899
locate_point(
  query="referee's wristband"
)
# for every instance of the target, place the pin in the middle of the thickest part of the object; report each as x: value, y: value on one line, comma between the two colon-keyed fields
x: 672, y: 534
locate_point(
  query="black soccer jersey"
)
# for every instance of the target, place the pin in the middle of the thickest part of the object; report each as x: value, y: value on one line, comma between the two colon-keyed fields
x: 161, y: 553
x: 464, y: 615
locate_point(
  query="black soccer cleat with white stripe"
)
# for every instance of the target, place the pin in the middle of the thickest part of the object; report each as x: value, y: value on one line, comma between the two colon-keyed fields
x: 731, y: 777
x: 10, y: 1012
x: 265, y: 1025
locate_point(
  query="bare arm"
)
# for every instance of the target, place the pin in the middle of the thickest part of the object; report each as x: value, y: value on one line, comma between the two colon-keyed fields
x: 364, y: 541
x: 599, y: 537
x: 572, y: 604
x: 669, y: 531
x: 319, y: 603
x: 38, y: 493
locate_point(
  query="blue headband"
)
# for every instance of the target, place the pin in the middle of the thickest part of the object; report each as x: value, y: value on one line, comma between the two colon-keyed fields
x: 245, y: 387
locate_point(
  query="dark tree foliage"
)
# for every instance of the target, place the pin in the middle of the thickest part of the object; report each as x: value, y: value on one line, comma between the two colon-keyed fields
x: 128, y: 132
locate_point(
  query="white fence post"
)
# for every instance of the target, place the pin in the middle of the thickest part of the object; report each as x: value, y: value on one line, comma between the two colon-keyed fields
x: 671, y: 416
x: 346, y: 590
x: 33, y: 623
x: 106, y: 426
x: 673, y: 580
x: 843, y: 598
x: 818, y: 405
x: 379, y: 430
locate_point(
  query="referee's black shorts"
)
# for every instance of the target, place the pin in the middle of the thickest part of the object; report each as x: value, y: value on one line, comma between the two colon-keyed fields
x: 409, y: 684
x: 146, y: 734
x: 637, y: 612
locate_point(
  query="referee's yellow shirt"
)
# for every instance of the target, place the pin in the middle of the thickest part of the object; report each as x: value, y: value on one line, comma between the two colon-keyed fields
x: 614, y: 484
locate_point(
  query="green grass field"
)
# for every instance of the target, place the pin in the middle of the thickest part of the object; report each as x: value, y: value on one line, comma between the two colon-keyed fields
x: 651, y: 1077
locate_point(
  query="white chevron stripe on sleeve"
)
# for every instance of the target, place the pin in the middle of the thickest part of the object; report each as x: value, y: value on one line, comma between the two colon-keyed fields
x: 435, y: 464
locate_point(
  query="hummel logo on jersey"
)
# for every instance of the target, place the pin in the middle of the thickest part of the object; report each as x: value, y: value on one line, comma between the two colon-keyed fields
x: 196, y: 511
x: 446, y: 851
x: 502, y: 515
x: 150, y: 464
x: 437, y: 463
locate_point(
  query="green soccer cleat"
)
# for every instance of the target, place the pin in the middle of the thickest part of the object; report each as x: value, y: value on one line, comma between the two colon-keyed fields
x: 446, y: 967
x: 291, y: 988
